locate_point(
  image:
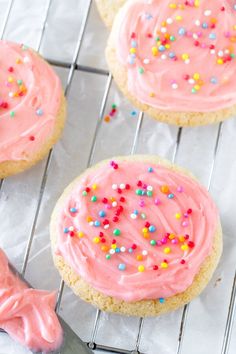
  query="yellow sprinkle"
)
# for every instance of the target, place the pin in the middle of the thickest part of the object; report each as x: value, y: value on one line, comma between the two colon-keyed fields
x: 163, y: 24
x: 145, y: 230
x: 197, y: 87
x: 154, y: 51
x: 167, y: 250
x: 233, y: 39
x: 132, y: 50
x: 178, y: 18
x: 104, y: 248
x: 80, y: 234
x: 141, y: 268
x: 196, y: 3
x: 181, y: 238
x: 152, y: 94
x: 172, y: 6
x: 185, y: 56
x: 196, y: 76
x: 94, y: 186
x: 178, y: 215
x: 18, y: 61
x: 96, y: 239
x: 234, y: 27
x: 139, y: 257
x: 164, y: 265
x: 167, y: 46
x: 10, y: 79
x: 112, y: 199
x: 219, y: 61
x: 184, y: 247
x: 181, y: 6
x: 113, y: 246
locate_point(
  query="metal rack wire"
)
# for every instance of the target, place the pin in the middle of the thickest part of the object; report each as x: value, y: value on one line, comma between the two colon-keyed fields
x: 74, y: 66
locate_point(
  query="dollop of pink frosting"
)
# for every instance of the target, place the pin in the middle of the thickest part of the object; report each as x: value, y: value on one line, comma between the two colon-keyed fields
x: 136, y: 231
x: 180, y: 56
x: 26, y: 314
x: 30, y: 98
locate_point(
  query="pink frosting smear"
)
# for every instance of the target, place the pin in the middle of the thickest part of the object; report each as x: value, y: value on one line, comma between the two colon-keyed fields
x: 136, y: 231
x: 179, y: 55
x: 26, y: 314
x: 30, y: 99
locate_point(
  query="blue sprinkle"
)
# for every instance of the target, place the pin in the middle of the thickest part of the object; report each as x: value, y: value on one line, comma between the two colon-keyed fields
x: 204, y: 25
x: 182, y: 31
x: 131, y: 60
x: 152, y: 228
x: 117, y: 250
x: 214, y: 80
x: 136, y: 212
x: 162, y: 48
x: 121, y: 266
x: 212, y: 36
x: 102, y: 213
x: 66, y: 230
x: 150, y: 169
x: 130, y: 250
x: 97, y: 223
x: 170, y: 196
x: 148, y: 16
x: 39, y: 112
x: 235, y: 7
x: 133, y: 44
x: 144, y: 192
x: 171, y: 55
x: 133, y: 113
x: 73, y: 210
x: 162, y: 300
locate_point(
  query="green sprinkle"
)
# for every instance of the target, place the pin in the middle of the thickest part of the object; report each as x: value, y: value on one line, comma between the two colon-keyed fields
x: 149, y: 193
x: 139, y: 191
x: 19, y: 82
x: 194, y: 90
x: 172, y: 38
x: 108, y: 256
x: 153, y: 243
x: 114, y: 106
x: 141, y: 70
x: 232, y: 55
x: 116, y: 232
x: 12, y: 114
x: 94, y: 198
x: 157, y: 39
x: 84, y: 193
x: 143, y: 216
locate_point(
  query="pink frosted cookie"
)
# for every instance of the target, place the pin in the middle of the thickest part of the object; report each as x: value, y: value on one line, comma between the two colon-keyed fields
x: 136, y: 235
x: 32, y: 108
x: 176, y: 60
x: 28, y: 315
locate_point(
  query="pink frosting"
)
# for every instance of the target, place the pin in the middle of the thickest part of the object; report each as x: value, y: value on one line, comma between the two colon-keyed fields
x: 196, y: 71
x: 27, y: 315
x: 30, y: 97
x: 164, y: 237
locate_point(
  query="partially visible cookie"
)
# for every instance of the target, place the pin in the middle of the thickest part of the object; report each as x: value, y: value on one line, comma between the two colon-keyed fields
x: 108, y: 10
x: 32, y: 108
x: 176, y: 62
x: 136, y: 236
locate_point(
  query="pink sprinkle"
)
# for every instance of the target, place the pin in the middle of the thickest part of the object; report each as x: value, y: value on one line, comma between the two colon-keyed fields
x: 180, y: 189
x: 174, y: 241
x: 159, y: 243
x: 189, y: 34
x: 108, y: 206
x: 186, y: 215
x: 144, y: 186
x: 157, y: 201
x: 227, y: 34
x: 142, y: 203
x: 164, y: 240
x: 199, y: 34
x: 203, y: 45
x: 185, y: 223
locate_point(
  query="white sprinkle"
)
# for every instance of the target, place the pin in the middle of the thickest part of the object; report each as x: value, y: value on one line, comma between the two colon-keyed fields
x: 207, y: 13
x: 163, y: 29
x: 146, y: 61
x: 220, y: 53
x: 187, y: 61
x: 114, y: 204
x: 227, y: 51
x: 133, y: 216
x: 91, y: 223
x: 191, y: 81
x: 112, y: 251
x: 106, y: 226
x: 71, y: 228
x: 163, y: 56
x: 144, y: 253
x: 122, y: 186
x: 114, y: 186
x: 11, y: 94
x: 150, y: 188
x: 174, y: 86
x: 169, y: 21
x: 123, y: 249
x: 26, y: 60
x: 212, y: 51
x: 195, y: 36
x: 197, y: 23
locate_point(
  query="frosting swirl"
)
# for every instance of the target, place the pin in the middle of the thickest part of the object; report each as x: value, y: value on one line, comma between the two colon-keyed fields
x: 30, y: 98
x: 27, y: 315
x: 179, y: 55
x: 135, y: 230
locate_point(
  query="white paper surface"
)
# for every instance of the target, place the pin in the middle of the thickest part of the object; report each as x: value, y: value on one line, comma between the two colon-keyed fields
x: 18, y: 197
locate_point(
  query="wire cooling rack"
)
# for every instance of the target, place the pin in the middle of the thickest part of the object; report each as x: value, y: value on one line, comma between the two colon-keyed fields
x: 71, y: 68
